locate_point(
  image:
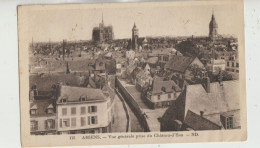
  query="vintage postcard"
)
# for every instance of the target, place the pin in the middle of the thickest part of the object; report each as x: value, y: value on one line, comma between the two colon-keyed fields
x: 132, y: 73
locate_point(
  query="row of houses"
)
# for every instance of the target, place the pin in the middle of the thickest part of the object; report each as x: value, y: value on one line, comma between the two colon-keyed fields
x: 168, y: 82
x: 71, y: 110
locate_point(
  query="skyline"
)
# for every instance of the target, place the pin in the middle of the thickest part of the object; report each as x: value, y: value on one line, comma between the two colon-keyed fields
x: 53, y: 25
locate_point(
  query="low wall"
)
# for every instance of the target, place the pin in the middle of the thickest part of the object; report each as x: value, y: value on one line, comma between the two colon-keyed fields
x: 133, y: 104
x: 128, y: 126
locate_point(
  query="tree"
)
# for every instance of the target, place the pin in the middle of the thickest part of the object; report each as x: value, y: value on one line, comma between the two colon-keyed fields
x: 196, y: 71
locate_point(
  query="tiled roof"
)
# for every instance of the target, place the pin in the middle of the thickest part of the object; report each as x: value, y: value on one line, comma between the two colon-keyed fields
x: 73, y: 94
x: 220, y: 99
x: 179, y: 63
x: 197, y: 122
x: 41, y: 106
x: 168, y: 85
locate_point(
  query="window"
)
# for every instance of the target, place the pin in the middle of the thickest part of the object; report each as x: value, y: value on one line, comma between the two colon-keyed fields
x: 83, y: 98
x: 159, y: 97
x: 92, y: 109
x: 159, y: 58
x: 83, y: 110
x: 227, y: 63
x: 64, y: 111
x: 83, y: 121
x: 237, y: 64
x: 49, y: 124
x: 33, y: 111
x: 64, y: 100
x: 237, y: 71
x: 73, y: 122
x: 73, y: 111
x: 169, y: 96
x: 101, y: 64
x: 92, y: 120
x: 229, y: 122
x: 66, y: 123
x: 233, y: 64
x: 34, y: 125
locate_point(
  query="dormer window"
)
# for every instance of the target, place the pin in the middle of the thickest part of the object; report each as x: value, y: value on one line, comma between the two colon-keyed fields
x: 83, y: 98
x: 63, y: 100
x: 50, y: 109
x: 163, y: 89
x: 33, y: 111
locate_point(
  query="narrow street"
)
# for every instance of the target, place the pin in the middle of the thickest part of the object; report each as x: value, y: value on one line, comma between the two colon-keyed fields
x: 120, y: 119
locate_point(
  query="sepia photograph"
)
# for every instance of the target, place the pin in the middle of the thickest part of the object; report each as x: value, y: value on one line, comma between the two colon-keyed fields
x: 123, y: 73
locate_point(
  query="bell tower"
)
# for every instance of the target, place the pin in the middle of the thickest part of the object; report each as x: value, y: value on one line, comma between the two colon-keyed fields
x: 213, y: 28
x: 134, y: 37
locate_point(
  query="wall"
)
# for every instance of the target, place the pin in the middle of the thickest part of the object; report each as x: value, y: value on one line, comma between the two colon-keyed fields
x: 133, y: 104
x: 104, y: 115
x: 41, y: 123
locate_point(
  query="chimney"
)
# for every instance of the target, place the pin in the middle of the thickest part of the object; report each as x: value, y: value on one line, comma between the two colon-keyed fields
x: 207, y: 84
x: 201, y: 113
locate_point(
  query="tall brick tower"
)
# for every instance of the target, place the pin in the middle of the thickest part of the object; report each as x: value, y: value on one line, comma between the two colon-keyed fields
x: 213, y: 28
x: 134, y: 38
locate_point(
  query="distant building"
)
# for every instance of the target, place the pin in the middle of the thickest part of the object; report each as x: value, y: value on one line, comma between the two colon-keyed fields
x: 135, y: 35
x: 208, y: 106
x: 180, y: 65
x: 213, y: 29
x: 232, y: 65
x: 216, y: 65
x: 83, y: 110
x: 102, y: 33
x: 161, y: 93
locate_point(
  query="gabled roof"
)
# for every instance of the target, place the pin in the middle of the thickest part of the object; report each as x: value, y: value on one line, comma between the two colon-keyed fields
x: 220, y: 99
x: 74, y: 93
x: 41, y: 106
x: 168, y: 85
x: 179, y: 63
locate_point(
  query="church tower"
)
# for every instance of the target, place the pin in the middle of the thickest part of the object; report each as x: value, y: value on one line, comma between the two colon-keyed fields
x: 134, y: 38
x: 213, y: 28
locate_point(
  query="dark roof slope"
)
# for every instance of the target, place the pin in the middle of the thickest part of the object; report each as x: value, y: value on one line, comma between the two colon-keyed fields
x: 179, y: 63
x: 197, y: 122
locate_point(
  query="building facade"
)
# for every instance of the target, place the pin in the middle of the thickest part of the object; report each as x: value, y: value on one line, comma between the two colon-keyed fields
x: 43, y: 117
x: 84, y: 110
x: 161, y: 94
x: 102, y: 33
x: 232, y: 65
x: 216, y: 65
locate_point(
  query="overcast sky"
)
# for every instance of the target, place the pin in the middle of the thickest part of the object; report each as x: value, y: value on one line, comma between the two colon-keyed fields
x: 56, y: 24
